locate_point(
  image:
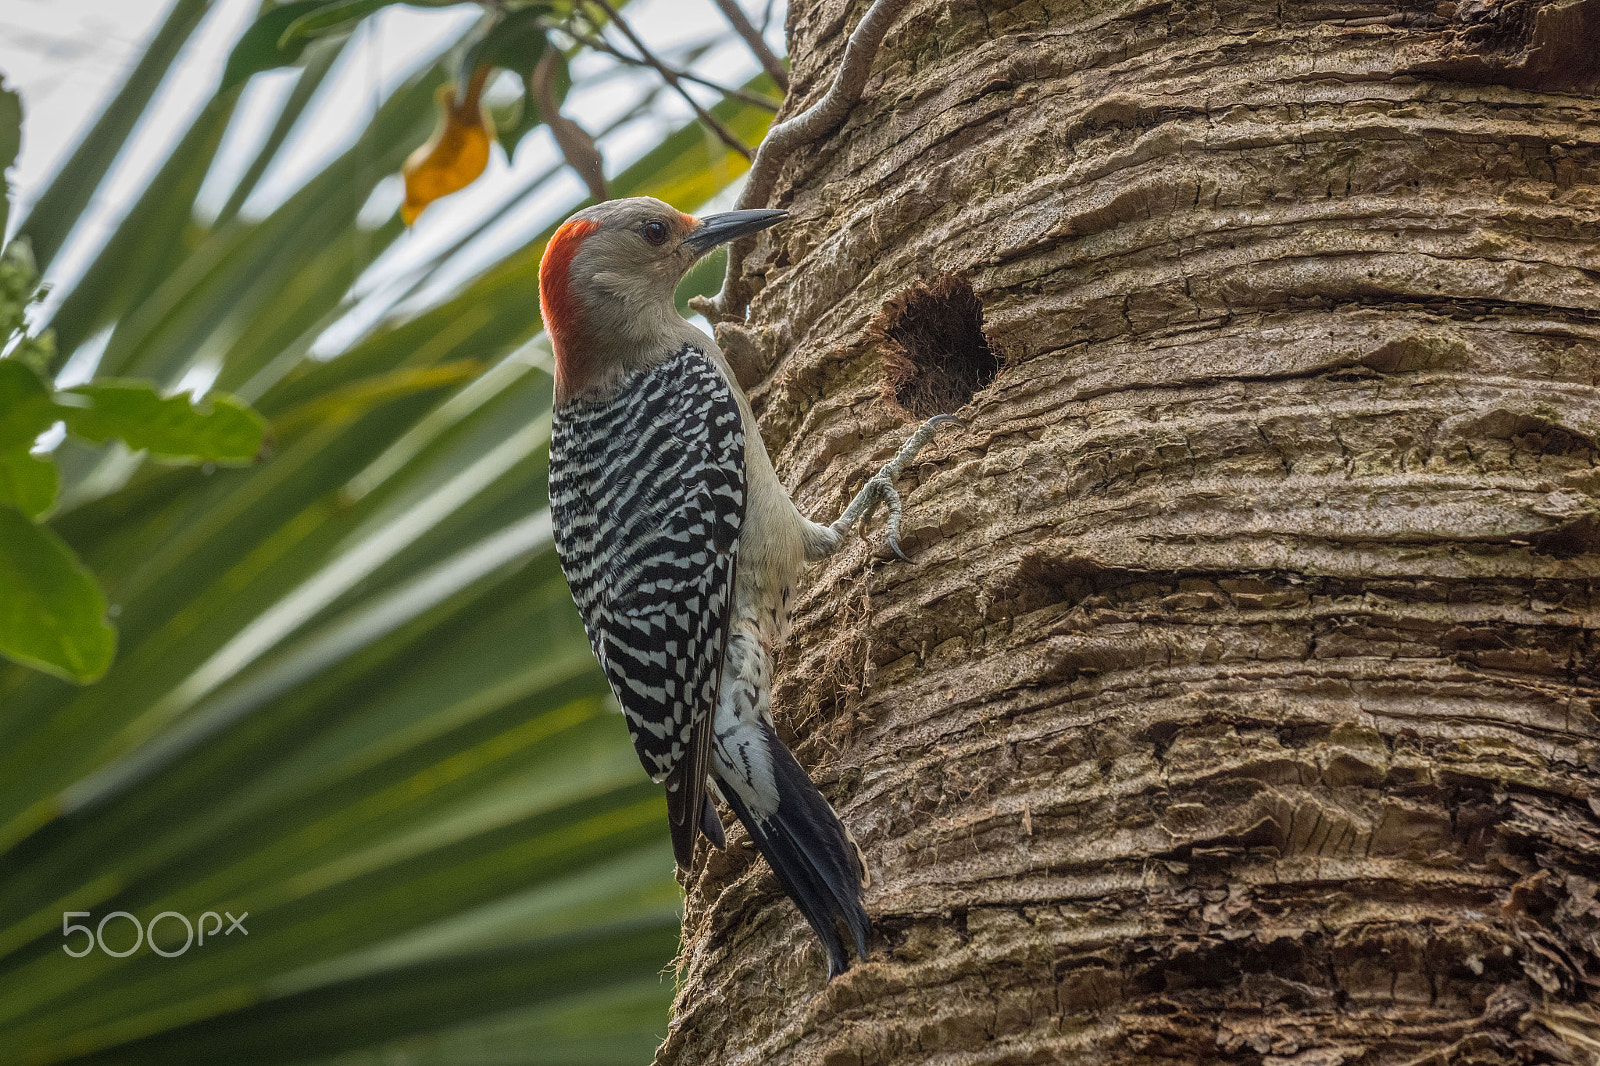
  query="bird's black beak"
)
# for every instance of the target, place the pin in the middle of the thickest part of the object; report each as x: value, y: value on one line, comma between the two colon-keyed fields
x: 728, y: 226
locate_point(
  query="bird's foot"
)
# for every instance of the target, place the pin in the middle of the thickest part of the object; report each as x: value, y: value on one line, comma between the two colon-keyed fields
x: 880, y: 487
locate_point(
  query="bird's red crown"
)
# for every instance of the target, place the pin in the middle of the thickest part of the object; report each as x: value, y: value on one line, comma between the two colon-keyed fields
x: 558, y: 304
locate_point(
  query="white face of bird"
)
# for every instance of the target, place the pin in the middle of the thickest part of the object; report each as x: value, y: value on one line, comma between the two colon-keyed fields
x: 607, y: 280
x: 637, y: 250
x: 636, y: 253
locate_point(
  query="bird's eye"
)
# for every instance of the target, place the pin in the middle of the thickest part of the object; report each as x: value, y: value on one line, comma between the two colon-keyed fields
x: 655, y: 231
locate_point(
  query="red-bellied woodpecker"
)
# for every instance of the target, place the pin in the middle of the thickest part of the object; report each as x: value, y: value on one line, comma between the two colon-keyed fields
x: 682, y: 547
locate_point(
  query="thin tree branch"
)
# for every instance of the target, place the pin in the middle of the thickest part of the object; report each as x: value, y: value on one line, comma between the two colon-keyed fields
x: 752, y: 37
x: 826, y: 114
x: 723, y: 133
x: 577, y: 147
x: 818, y: 120
x: 600, y: 44
x: 470, y: 91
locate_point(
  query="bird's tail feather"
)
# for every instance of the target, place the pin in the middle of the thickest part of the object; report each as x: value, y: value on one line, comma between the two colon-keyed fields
x: 811, y: 852
x: 711, y: 825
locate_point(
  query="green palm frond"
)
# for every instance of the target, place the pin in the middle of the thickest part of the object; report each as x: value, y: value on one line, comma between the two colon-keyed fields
x: 352, y: 698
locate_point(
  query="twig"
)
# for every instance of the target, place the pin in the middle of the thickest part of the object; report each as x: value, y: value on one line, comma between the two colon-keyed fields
x: 471, y: 91
x: 781, y: 141
x: 826, y: 114
x: 599, y: 44
x: 724, y: 134
x: 766, y: 17
x: 577, y: 147
x: 752, y: 37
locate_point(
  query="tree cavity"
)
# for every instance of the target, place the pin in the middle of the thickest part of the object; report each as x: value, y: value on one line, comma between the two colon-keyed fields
x: 936, y: 355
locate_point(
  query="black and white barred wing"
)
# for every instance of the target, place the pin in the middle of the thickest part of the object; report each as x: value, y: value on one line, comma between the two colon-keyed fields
x: 647, y: 495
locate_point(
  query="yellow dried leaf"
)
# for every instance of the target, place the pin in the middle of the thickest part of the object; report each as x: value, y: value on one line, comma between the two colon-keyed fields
x: 457, y: 152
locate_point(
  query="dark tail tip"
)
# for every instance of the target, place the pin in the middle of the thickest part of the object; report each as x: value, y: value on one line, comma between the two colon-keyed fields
x: 813, y: 856
x: 711, y: 825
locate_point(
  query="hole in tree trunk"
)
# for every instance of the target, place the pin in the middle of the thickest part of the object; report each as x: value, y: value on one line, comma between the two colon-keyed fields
x: 936, y: 356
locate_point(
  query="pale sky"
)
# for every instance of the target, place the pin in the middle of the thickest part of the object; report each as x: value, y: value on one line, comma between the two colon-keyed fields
x: 66, y: 57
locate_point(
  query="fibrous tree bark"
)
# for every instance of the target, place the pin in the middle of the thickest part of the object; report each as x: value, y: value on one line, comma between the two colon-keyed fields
x: 1241, y: 702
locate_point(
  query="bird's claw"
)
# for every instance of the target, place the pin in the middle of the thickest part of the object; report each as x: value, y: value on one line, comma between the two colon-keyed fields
x: 921, y: 437
x: 892, y: 528
x: 884, y: 484
x: 880, y: 487
x: 883, y: 481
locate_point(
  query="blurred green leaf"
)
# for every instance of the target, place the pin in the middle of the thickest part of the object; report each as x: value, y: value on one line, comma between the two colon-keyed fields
x: 516, y: 42
x: 219, y: 428
x: 268, y: 44
x: 352, y: 696
x: 19, y: 290
x: 27, y: 481
x: 52, y: 614
x: 57, y: 209
x: 332, y: 16
x: 703, y: 279
x: 26, y: 407
x: 318, y: 63
x: 10, y: 142
x: 156, y: 233
x: 522, y: 116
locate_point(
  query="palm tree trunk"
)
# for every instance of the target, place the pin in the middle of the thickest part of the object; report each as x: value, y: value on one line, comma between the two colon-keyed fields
x: 1241, y: 702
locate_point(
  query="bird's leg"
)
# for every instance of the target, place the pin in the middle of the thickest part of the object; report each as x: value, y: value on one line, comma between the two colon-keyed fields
x: 880, y: 486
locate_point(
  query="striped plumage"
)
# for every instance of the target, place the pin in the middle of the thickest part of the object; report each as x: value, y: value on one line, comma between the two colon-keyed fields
x: 682, y: 546
x: 647, y: 494
x: 647, y: 497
